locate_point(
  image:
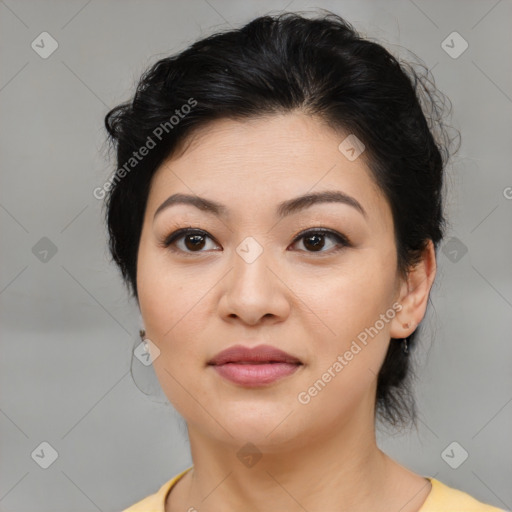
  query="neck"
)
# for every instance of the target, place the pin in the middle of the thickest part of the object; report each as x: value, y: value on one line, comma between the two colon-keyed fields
x: 345, y: 467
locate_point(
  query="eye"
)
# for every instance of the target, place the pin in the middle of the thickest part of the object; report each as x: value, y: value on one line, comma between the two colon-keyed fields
x: 193, y: 240
x: 314, y: 240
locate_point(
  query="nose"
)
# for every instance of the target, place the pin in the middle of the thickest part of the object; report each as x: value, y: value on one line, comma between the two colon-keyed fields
x: 254, y: 291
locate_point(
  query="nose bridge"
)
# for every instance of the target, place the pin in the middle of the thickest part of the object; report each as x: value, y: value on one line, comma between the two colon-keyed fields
x: 250, y: 262
x: 253, y: 290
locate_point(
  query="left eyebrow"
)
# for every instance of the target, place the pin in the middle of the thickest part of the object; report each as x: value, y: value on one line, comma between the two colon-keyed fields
x: 330, y: 196
x: 284, y: 209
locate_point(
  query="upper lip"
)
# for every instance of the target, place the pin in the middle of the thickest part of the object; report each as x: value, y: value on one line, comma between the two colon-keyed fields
x: 258, y: 354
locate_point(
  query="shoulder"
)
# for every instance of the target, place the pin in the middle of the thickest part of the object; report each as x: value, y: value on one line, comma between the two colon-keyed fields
x: 443, y: 498
x: 156, y: 502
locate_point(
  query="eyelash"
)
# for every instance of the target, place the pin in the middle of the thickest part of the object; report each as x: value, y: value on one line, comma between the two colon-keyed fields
x: 340, y: 239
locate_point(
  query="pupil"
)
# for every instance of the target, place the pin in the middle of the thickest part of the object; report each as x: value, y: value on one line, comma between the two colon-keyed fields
x: 197, y: 241
x: 318, y: 244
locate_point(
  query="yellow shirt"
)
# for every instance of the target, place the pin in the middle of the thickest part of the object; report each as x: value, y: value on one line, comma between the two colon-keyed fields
x: 441, y: 499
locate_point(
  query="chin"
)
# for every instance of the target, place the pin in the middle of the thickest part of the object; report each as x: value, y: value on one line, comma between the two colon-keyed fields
x: 269, y: 428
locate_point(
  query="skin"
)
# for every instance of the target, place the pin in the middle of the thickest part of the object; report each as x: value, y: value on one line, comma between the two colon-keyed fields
x: 311, y: 304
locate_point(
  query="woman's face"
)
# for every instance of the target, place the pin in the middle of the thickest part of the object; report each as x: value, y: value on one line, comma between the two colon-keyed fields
x: 245, y: 277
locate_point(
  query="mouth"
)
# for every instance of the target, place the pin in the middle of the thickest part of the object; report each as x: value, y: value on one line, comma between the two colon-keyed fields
x: 262, y: 354
x: 253, y: 367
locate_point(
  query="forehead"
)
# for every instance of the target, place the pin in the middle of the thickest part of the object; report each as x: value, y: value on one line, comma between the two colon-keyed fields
x: 291, y: 138
x: 265, y: 160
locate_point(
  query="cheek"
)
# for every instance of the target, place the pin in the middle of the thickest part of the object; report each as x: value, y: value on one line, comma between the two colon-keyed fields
x: 344, y: 365
x: 174, y: 318
x: 353, y: 297
x: 356, y: 307
x: 163, y: 293
x: 174, y: 310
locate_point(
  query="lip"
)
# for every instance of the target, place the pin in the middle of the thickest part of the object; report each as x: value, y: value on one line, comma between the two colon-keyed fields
x: 258, y: 354
x: 254, y: 367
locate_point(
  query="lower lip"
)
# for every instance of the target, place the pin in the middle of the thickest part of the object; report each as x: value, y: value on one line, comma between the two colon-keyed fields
x: 255, y: 374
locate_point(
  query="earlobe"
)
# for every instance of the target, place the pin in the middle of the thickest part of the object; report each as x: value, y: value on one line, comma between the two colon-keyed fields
x: 414, y: 293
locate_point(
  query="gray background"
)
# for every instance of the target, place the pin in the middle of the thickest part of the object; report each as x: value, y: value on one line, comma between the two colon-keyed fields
x: 67, y: 327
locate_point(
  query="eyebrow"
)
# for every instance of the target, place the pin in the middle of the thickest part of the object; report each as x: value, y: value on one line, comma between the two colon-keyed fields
x: 284, y: 209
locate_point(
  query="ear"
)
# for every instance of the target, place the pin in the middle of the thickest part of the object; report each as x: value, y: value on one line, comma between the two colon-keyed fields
x: 414, y: 293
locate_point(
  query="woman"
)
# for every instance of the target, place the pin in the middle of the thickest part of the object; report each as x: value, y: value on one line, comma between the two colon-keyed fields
x: 276, y: 212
